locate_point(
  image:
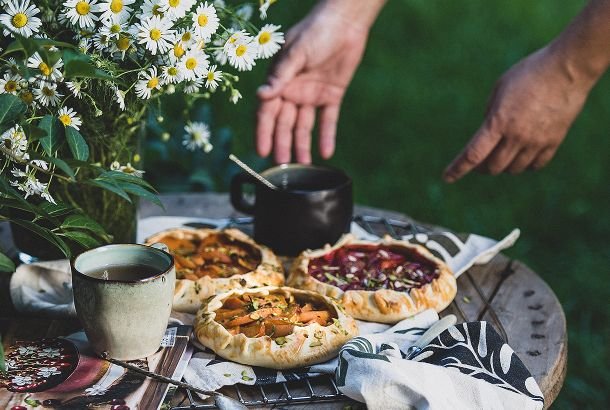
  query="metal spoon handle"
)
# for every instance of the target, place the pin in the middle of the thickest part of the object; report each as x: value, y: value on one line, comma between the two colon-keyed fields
x: 165, y: 379
x: 252, y: 172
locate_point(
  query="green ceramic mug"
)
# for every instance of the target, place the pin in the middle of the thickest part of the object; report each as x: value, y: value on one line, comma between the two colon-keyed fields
x: 124, y: 315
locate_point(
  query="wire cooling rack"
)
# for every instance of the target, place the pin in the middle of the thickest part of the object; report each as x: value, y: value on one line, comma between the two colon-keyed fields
x: 322, y: 389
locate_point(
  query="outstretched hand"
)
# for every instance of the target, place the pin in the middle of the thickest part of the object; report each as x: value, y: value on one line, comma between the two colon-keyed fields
x: 310, y: 74
x: 530, y: 111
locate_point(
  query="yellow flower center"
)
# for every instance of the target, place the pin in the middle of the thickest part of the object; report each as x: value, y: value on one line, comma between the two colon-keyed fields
x: 174, y: 3
x: 155, y: 34
x: 20, y: 20
x: 116, y: 6
x: 178, y: 50
x: 186, y: 36
x: 83, y: 8
x: 191, y: 63
x: 65, y: 120
x: 202, y: 20
x: 48, y: 91
x: 27, y: 97
x: 122, y: 43
x: 156, y: 10
x: 153, y: 82
x: 44, y: 69
x: 172, y: 71
x: 210, y: 76
x: 10, y: 86
x: 241, y: 50
x: 115, y: 28
x: 264, y: 37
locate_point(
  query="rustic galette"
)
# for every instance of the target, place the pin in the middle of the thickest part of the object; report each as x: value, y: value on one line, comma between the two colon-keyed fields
x: 379, y: 281
x: 275, y: 327
x: 211, y: 261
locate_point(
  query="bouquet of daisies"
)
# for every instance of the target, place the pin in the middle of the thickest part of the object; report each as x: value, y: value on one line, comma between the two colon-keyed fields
x: 78, y: 76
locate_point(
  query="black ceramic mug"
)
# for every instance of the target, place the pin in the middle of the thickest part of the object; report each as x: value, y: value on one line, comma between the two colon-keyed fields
x: 312, y: 206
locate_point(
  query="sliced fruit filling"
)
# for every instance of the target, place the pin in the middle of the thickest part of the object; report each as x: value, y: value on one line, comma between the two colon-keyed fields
x: 370, y: 267
x: 275, y: 315
x: 217, y: 255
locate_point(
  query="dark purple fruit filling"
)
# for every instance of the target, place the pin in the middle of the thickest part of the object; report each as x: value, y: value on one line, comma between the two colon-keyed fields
x: 370, y: 267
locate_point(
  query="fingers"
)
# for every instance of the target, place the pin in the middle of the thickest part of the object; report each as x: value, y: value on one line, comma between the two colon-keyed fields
x: 328, y: 129
x: 477, y: 150
x: 544, y: 157
x: 265, y: 125
x: 283, y: 132
x: 502, y: 156
x: 287, y: 65
x: 302, y: 133
x: 522, y: 160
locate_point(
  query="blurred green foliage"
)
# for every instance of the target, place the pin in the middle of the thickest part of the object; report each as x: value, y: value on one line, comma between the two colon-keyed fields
x: 415, y: 101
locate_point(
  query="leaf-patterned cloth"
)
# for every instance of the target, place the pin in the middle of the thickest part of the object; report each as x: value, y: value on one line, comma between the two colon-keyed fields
x: 468, y: 366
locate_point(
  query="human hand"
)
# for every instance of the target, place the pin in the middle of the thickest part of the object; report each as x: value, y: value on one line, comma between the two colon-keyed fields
x: 311, y: 73
x: 530, y: 111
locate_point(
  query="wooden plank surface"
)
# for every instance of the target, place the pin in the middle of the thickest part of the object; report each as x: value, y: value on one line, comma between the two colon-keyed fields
x: 507, y: 294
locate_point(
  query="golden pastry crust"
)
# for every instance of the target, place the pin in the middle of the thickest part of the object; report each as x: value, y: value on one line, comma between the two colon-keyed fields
x: 381, y: 305
x: 305, y: 346
x: 190, y: 293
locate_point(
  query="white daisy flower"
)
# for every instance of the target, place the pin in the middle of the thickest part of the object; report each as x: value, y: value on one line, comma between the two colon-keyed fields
x: 212, y: 77
x: 32, y: 186
x: 269, y: 40
x: 129, y: 169
x: 20, y: 17
x: 112, y: 29
x: 69, y: 118
x: 12, y: 65
x: 205, y: 21
x: 84, y: 44
x: 116, y: 11
x: 47, y: 94
x: 80, y: 13
x: 193, y: 86
x: 121, y: 45
x: 170, y: 74
x: 27, y: 97
x: 244, y: 53
x: 149, y: 81
x: 177, y: 51
x: 41, y: 164
x: 156, y: 34
x: 10, y: 84
x: 233, y: 39
x: 264, y: 6
x: 175, y: 9
x: 186, y: 36
x: 194, y: 64
x: 119, y: 97
x: 151, y: 8
x: 51, y: 74
x: 197, y: 136
x: 15, y: 141
x: 75, y: 88
x: 235, y: 96
x: 101, y: 42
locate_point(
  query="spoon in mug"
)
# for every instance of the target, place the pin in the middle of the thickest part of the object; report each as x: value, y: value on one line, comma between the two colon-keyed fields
x: 252, y: 172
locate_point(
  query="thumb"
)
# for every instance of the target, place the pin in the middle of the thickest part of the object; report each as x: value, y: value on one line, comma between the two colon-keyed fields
x: 289, y: 63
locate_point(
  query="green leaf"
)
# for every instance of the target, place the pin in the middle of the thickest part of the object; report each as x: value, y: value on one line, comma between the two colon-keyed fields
x: 11, y: 107
x: 110, y: 186
x: 6, y: 264
x: 61, y: 164
x: 8, y: 190
x: 2, y: 365
x: 15, y: 204
x: 137, y: 190
x: 82, y: 222
x: 33, y: 132
x: 78, y: 145
x: 82, y: 238
x: 121, y: 176
x: 45, y: 234
x: 58, y: 209
x: 80, y: 65
x: 53, y: 134
x: 33, y: 45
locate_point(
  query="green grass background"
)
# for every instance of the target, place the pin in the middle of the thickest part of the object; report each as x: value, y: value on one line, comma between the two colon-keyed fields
x: 416, y: 99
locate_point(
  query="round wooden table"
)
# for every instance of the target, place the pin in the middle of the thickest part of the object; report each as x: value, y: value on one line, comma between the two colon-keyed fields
x: 504, y: 292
